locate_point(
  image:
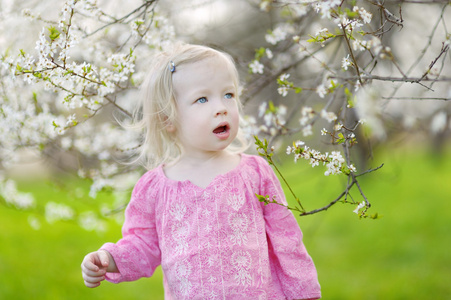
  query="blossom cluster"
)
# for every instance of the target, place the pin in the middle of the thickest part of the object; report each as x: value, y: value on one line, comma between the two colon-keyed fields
x: 13, y: 197
x: 53, y: 97
x: 156, y: 31
x: 319, y: 55
x: 273, y: 117
x: 334, y: 161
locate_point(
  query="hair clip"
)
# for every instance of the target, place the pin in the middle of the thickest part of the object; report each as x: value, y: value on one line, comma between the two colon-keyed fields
x: 171, y: 66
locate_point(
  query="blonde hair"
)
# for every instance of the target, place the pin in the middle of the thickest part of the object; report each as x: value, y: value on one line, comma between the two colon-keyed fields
x: 158, y: 107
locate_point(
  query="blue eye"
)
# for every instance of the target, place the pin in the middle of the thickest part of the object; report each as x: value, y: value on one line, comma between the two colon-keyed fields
x: 201, y: 100
x: 228, y: 96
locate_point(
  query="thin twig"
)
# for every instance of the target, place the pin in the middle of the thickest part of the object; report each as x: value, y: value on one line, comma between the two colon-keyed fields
x: 345, y: 192
x: 393, y: 79
x: 146, y: 4
x: 416, y: 98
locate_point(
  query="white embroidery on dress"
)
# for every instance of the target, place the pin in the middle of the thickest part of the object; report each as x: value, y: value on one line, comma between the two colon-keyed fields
x: 180, y: 231
x: 178, y: 211
x: 239, y: 223
x: 180, y: 228
x: 241, y: 262
x: 207, y: 245
x: 236, y: 201
x: 212, y: 279
x: 212, y: 295
x: 183, y: 270
x: 211, y: 261
x: 206, y: 213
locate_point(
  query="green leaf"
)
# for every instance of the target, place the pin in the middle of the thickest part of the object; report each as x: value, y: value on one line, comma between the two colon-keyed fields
x: 341, y: 139
x: 259, y: 53
x: 53, y: 33
x: 375, y: 216
x: 262, y: 198
x: 271, y: 107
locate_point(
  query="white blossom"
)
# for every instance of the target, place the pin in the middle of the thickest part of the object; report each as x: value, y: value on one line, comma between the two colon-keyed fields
x: 284, y: 76
x: 366, y: 16
x: 299, y: 143
x: 12, y: 196
x: 369, y: 110
x: 321, y: 90
x: 335, y: 164
x: 279, y: 33
x: 256, y: 67
x: 58, y: 211
x: 346, y: 63
x: 338, y: 126
x: 269, y: 53
x: 283, y: 90
x: 307, y: 130
x: 289, y: 150
x: 34, y: 222
x: 359, y: 207
x: 324, y: 7
x: 328, y: 116
x: 438, y: 123
x: 89, y: 221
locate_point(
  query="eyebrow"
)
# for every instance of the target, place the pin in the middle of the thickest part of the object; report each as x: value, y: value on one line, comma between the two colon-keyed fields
x: 205, y: 90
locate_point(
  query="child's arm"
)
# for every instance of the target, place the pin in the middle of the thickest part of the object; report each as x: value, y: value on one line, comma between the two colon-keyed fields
x: 137, y: 254
x: 291, y: 263
x: 95, y: 265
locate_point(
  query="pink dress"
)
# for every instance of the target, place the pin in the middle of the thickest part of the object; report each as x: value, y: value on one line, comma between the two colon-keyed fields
x: 215, y: 243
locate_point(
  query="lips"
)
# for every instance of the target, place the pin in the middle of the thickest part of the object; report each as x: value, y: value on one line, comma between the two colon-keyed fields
x: 222, y: 131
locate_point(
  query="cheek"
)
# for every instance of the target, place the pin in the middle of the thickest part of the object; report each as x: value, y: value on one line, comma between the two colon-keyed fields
x: 234, y: 114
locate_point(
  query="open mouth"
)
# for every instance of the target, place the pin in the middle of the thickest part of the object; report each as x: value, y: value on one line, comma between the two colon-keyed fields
x: 221, y: 129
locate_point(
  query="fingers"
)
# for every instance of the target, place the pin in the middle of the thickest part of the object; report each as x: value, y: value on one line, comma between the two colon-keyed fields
x: 90, y: 262
x: 93, y: 281
x: 103, y: 258
x: 93, y: 268
x: 91, y: 285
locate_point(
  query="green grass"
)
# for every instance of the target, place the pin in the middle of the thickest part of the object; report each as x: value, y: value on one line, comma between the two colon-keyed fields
x: 403, y: 255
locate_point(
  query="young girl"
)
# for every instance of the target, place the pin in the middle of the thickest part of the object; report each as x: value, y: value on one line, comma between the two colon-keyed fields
x: 196, y: 213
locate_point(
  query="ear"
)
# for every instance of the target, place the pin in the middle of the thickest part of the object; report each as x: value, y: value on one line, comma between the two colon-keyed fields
x: 170, y: 127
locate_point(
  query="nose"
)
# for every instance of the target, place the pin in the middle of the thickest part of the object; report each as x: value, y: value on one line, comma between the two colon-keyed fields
x: 220, y: 108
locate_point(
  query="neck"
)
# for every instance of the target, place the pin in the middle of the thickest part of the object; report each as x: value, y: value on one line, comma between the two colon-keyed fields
x: 202, y: 169
x: 203, y: 158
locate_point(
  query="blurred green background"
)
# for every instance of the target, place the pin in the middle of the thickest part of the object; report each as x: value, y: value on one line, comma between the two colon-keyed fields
x: 403, y: 255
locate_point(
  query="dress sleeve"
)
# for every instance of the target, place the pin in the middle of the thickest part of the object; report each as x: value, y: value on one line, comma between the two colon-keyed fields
x: 290, y: 263
x: 137, y: 253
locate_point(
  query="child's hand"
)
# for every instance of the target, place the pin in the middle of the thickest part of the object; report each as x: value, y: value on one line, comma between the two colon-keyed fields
x: 94, y: 267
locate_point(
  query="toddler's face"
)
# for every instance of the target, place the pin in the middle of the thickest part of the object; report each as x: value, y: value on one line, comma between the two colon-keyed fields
x: 207, y: 110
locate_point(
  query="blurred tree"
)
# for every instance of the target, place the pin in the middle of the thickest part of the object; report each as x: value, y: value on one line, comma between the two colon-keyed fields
x: 340, y: 75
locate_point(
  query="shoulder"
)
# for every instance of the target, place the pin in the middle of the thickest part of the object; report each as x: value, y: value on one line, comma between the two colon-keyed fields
x: 148, y: 183
x: 256, y: 166
x: 255, y: 162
